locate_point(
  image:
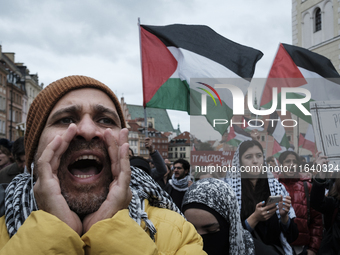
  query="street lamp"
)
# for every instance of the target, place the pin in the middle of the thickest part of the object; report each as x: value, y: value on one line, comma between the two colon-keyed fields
x: 11, y: 79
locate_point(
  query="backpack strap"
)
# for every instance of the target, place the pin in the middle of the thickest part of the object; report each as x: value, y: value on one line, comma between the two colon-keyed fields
x: 308, y: 201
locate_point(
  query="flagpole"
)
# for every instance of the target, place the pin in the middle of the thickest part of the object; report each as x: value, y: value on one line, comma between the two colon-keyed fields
x: 298, y: 135
x: 141, y: 66
x: 267, y: 145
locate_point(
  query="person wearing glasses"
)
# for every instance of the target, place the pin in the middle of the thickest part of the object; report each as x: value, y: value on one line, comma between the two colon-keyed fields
x: 180, y: 181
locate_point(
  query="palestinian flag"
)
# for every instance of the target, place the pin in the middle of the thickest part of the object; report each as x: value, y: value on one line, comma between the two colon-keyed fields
x: 252, y: 124
x: 193, y: 148
x: 298, y: 67
x: 307, y: 141
x: 174, y: 54
x: 277, y: 149
x: 276, y: 130
x: 237, y: 135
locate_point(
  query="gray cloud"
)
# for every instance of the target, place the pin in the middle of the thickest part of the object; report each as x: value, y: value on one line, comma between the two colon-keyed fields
x: 100, y: 38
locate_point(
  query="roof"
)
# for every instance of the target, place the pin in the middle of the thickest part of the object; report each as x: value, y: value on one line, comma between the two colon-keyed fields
x: 162, y: 120
x: 133, y: 126
x: 183, y: 138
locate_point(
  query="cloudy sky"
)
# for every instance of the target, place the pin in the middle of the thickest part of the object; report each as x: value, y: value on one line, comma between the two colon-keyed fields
x: 100, y: 38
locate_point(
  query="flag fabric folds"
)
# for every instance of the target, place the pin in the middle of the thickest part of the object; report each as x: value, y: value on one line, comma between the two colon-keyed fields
x: 276, y: 130
x: 237, y: 135
x: 277, y: 149
x: 307, y: 141
x: 298, y: 67
x: 174, y: 54
x: 252, y: 124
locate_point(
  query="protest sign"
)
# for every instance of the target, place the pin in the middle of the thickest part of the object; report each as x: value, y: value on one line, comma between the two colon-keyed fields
x: 326, y: 124
x: 206, y: 158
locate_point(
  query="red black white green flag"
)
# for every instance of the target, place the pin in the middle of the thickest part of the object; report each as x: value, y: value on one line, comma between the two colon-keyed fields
x: 252, y: 124
x: 276, y: 130
x: 298, y: 67
x: 174, y: 54
x: 237, y: 135
x: 307, y: 141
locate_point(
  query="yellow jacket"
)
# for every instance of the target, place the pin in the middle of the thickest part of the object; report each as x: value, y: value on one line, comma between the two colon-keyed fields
x: 43, y: 233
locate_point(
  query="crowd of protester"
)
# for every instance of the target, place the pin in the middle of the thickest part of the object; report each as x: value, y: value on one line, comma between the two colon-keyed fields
x: 232, y: 214
x: 233, y: 217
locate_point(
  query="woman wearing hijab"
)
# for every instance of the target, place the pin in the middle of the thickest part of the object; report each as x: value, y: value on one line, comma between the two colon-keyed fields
x: 273, y: 225
x: 211, y: 206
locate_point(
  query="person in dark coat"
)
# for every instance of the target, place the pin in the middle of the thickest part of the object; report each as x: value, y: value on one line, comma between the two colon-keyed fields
x: 310, y: 230
x: 5, y: 153
x: 328, y: 206
x: 9, y: 172
x: 180, y: 181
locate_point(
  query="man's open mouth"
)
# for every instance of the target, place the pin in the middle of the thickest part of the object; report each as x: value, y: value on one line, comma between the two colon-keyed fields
x: 85, y: 166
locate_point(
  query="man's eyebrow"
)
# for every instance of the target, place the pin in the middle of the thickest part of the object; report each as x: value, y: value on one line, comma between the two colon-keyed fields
x: 68, y: 109
x: 98, y: 108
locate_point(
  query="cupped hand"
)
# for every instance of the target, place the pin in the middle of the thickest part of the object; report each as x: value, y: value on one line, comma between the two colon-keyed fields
x: 47, y: 188
x: 119, y: 195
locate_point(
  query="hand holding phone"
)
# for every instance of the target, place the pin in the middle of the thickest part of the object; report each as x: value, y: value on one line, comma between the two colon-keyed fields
x: 273, y: 200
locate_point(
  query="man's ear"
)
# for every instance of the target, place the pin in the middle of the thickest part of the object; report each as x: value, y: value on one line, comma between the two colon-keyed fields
x: 186, y: 171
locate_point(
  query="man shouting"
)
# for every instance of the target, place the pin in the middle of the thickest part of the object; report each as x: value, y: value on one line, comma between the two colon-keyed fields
x: 81, y: 196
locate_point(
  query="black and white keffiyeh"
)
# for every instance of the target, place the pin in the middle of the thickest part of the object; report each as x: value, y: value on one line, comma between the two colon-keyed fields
x: 180, y: 185
x: 275, y: 187
x: 220, y: 197
x: 20, y: 202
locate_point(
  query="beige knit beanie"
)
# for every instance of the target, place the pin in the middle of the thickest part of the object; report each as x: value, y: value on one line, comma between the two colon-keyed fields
x: 45, y: 101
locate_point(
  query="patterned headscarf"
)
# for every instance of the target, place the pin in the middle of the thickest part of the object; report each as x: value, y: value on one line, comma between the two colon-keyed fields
x: 220, y: 197
x: 20, y: 201
x: 275, y: 188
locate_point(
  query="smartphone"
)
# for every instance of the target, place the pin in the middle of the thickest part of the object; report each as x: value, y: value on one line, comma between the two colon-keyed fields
x: 273, y: 200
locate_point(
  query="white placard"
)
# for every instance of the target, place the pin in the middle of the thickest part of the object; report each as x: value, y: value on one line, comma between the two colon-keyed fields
x: 326, y: 124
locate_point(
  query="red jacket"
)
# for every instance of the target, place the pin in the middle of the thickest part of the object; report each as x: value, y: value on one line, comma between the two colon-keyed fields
x: 311, y: 234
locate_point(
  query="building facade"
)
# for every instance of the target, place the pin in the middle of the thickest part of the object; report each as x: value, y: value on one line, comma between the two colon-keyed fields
x: 136, y: 140
x: 179, y: 147
x: 3, y: 100
x: 316, y: 27
x: 14, y: 99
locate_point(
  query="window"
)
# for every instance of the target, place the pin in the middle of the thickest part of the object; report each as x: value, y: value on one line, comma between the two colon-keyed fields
x: 317, y: 20
x: 262, y: 138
